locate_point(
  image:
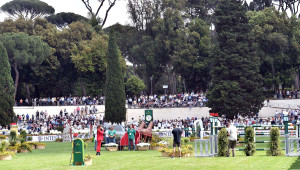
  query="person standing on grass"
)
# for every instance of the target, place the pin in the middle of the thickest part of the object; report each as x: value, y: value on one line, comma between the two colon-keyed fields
x: 112, y: 135
x: 131, y: 137
x: 177, y: 140
x: 100, y: 132
x: 232, y: 138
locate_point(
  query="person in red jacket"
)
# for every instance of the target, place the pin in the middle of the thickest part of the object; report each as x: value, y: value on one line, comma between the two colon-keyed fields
x: 100, y: 133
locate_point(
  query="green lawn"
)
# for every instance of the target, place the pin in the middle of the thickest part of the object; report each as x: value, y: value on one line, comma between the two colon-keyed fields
x: 57, y: 156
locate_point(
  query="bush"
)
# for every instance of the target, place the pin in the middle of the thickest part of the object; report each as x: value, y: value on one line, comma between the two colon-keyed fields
x: 249, y: 142
x: 29, y: 138
x: 222, y: 142
x: 275, y: 149
x: 25, y: 146
x: 185, y: 140
x: 13, y: 135
x: 2, y: 137
x: 23, y: 134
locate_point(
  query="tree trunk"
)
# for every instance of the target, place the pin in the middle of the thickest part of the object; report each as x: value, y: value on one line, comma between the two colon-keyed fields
x: 296, y: 79
x: 184, y: 86
x: 83, y: 90
x: 16, y: 79
x: 175, y: 83
x: 28, y: 94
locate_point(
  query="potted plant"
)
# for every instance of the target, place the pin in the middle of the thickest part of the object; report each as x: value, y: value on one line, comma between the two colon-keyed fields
x: 88, y: 160
x: 24, y: 148
x: 111, y: 146
x: 5, y: 155
x: 143, y: 146
x: 192, y: 137
x: 40, y: 145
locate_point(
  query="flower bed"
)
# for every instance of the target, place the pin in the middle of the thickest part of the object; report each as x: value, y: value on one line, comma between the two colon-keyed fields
x: 111, y: 146
x: 186, y: 151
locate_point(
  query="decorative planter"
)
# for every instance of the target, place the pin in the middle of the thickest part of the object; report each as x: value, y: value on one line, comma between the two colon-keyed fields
x: 6, y: 157
x: 156, y: 147
x: 112, y: 148
x: 88, y: 162
x: 24, y: 151
x: 40, y: 146
x: 142, y: 148
x: 32, y: 146
x: 192, y: 140
x: 88, y: 141
x: 165, y: 154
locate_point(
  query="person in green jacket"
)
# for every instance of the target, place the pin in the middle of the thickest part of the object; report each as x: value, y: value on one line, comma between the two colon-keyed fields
x: 186, y: 131
x: 131, y: 137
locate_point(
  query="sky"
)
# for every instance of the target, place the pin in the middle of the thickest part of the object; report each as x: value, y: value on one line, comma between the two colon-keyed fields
x: 118, y: 14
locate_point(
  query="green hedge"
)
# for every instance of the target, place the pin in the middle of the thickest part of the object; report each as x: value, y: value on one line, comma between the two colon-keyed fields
x: 275, y: 149
x: 249, y: 142
x: 222, y: 142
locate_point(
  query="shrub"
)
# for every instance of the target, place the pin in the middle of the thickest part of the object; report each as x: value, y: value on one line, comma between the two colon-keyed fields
x: 222, y: 142
x: 275, y: 149
x: 29, y: 138
x: 13, y: 135
x: 85, y: 145
x: 185, y: 140
x: 23, y: 134
x: 2, y: 137
x: 249, y: 142
x: 25, y: 146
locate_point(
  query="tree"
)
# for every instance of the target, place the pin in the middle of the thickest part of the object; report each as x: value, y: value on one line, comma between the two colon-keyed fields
x: 258, y: 5
x: 272, y: 32
x: 236, y: 83
x: 29, y: 9
x: 63, y: 19
x: 134, y: 86
x: 115, y: 110
x: 6, y: 89
x: 22, y: 50
x: 94, y: 14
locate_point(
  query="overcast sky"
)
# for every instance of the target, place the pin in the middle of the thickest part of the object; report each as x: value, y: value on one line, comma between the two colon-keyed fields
x: 117, y: 14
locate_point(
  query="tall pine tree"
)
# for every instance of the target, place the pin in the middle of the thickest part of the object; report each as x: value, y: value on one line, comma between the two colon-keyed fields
x: 6, y: 89
x: 236, y: 83
x: 115, y: 110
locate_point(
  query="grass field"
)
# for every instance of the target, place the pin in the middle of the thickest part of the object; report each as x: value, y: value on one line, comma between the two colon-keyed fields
x: 57, y: 156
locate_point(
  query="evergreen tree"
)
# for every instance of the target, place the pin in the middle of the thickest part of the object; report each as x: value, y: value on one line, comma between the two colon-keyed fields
x: 6, y: 89
x: 115, y: 110
x: 236, y: 83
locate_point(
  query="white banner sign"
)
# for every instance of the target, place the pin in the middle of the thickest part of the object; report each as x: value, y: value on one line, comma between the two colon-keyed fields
x: 44, y: 138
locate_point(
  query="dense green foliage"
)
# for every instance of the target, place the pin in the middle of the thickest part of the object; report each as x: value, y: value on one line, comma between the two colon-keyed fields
x: 222, y: 142
x: 134, y: 86
x: 236, y: 82
x: 63, y: 19
x: 249, y: 142
x: 115, y: 110
x: 23, y: 49
x: 6, y: 89
x: 275, y: 149
x: 27, y: 8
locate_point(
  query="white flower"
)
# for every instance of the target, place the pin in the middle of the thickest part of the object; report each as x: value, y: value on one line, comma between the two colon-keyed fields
x: 163, y: 142
x: 111, y: 145
x: 143, y: 145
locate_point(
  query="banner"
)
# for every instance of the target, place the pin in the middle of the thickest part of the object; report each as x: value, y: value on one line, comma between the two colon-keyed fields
x: 44, y: 138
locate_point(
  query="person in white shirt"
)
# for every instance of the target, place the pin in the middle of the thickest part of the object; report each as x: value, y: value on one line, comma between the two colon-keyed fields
x: 232, y: 138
